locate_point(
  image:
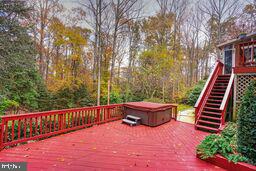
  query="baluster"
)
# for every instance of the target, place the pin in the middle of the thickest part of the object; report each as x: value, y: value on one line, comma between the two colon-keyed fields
x: 50, y: 120
x: 72, y: 119
x: 6, y: 131
x: 36, y: 125
x: 78, y: 118
x: 12, y: 130
x: 88, y: 116
x: 108, y: 113
x: 54, y: 122
x: 25, y: 128
x: 83, y: 117
x: 30, y: 127
x: 68, y: 120
x: 98, y: 115
x: 19, y: 129
x: 46, y: 124
x: 41, y: 125
x: 64, y: 120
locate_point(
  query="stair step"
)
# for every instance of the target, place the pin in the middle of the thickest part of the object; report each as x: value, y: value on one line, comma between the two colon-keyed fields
x: 211, y: 108
x: 223, y: 78
x: 219, y: 90
x: 218, y: 93
x: 221, y: 84
x: 212, y: 113
x: 133, y: 117
x: 217, y: 97
x: 207, y: 127
x: 225, y: 75
x: 210, y: 117
x: 220, y: 87
x: 209, y: 122
x: 129, y: 122
x: 222, y: 81
x: 212, y: 104
x: 213, y: 100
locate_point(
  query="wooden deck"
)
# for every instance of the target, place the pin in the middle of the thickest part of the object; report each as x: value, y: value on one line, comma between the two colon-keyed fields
x: 115, y: 146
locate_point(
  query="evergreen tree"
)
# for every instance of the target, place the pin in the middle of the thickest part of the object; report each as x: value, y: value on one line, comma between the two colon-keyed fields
x: 19, y: 79
x: 247, y: 124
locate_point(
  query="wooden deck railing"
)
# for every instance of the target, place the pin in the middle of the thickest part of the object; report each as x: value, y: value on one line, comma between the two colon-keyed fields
x: 21, y: 128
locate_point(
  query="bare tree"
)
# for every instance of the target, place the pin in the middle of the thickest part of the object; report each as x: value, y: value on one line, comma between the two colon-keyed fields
x: 221, y: 11
x: 120, y: 9
x: 96, y: 11
x: 42, y: 14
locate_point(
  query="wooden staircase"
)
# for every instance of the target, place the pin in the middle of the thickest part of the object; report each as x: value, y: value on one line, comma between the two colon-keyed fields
x: 210, y: 118
x: 211, y: 106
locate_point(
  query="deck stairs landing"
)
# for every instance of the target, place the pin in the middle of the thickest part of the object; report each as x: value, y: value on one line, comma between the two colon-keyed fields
x: 132, y: 120
x: 210, y: 117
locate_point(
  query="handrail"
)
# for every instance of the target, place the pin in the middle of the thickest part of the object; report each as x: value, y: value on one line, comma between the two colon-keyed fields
x: 218, y: 69
x: 227, y: 92
x: 62, y: 111
x: 207, y: 84
x: 25, y: 127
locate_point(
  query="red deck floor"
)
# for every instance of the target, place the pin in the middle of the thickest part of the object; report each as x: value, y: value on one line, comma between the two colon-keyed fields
x: 115, y: 146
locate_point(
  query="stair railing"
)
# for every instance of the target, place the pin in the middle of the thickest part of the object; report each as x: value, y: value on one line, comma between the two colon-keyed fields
x: 227, y: 95
x: 217, y: 70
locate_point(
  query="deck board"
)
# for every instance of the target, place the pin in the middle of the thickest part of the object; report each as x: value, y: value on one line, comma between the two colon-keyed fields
x: 115, y: 146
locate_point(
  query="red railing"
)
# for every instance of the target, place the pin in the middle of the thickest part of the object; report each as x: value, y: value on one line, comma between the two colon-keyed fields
x: 21, y: 128
x: 218, y: 69
x: 226, y: 98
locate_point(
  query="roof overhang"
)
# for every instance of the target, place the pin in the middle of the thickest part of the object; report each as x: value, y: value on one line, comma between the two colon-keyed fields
x: 248, y: 37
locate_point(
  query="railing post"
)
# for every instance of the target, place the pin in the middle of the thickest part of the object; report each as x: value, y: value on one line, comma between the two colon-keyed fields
x: 175, y: 112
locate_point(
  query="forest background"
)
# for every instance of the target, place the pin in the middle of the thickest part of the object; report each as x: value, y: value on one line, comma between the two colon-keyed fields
x: 57, y: 54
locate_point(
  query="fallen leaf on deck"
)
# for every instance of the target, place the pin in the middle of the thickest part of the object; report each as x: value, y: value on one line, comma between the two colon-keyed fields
x: 61, y: 159
x: 26, y: 155
x: 27, y: 149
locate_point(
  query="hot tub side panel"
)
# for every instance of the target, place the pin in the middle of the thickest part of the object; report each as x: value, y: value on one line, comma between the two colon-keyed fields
x: 150, y: 118
x: 139, y: 113
x: 159, y: 117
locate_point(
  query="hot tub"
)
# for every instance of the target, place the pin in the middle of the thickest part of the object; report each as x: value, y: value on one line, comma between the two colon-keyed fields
x: 151, y: 114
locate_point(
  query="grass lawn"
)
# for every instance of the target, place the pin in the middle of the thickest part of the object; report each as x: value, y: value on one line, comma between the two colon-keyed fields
x: 182, y: 107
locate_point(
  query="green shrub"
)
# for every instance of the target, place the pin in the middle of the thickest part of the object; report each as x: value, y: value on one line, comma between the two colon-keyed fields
x: 224, y: 144
x: 6, y: 104
x: 71, y: 97
x: 115, y: 98
x: 246, y: 137
x: 193, y: 94
x: 230, y: 130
